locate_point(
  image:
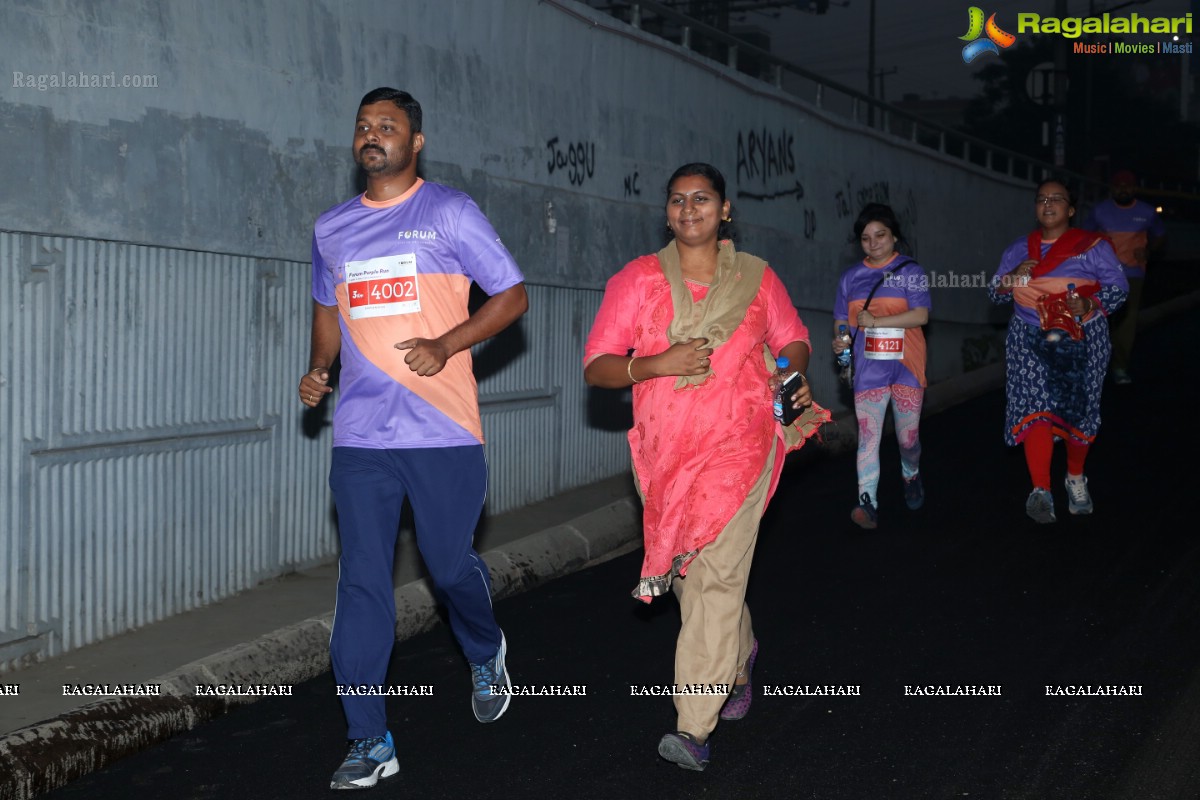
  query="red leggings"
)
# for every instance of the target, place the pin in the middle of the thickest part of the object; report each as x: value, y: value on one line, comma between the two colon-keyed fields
x: 1039, y: 449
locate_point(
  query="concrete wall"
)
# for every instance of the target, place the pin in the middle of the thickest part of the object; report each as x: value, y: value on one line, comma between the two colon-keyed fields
x: 154, y: 279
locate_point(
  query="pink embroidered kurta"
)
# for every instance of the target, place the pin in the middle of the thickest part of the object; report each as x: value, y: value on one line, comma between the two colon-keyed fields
x: 697, y: 450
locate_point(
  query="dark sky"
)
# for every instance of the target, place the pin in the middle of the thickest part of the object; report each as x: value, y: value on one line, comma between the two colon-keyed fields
x: 919, y: 38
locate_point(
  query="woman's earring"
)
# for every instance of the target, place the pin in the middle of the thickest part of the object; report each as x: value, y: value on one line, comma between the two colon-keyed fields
x: 727, y: 219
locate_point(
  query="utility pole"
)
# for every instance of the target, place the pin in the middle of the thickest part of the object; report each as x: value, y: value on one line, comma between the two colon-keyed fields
x: 1060, y: 91
x: 883, y: 73
x: 871, y: 64
x: 1089, y: 76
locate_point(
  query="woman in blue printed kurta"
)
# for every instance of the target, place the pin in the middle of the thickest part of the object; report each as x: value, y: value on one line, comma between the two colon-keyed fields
x: 1063, y: 282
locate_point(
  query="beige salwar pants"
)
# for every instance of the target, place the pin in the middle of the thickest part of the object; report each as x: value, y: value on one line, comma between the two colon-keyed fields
x: 715, y: 639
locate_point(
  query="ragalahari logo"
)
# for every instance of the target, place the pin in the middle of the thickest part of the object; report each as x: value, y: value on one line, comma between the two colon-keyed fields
x: 996, y: 40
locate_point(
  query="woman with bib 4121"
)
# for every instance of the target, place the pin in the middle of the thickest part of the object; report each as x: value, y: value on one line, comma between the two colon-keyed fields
x: 884, y: 300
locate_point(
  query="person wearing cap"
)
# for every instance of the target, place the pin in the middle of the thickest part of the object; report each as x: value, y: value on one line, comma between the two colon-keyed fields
x: 1136, y: 231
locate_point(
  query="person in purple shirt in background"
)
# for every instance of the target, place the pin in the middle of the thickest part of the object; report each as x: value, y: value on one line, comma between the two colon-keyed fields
x: 1136, y: 232
x: 1062, y: 283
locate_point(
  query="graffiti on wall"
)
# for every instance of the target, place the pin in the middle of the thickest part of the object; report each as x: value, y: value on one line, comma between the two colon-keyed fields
x: 796, y: 191
x: 849, y: 200
x: 576, y: 159
x: 763, y: 156
x: 767, y: 159
x: 632, y: 189
x: 810, y: 224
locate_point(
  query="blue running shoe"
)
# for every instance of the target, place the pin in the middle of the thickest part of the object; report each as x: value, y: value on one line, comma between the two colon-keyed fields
x: 914, y: 492
x: 683, y: 749
x: 368, y: 761
x: 489, y: 705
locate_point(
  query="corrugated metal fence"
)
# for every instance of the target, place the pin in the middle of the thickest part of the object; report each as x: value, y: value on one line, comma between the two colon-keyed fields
x: 153, y: 457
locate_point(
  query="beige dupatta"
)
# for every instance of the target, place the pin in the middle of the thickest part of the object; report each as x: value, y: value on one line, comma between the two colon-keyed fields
x: 735, y: 284
x: 715, y: 318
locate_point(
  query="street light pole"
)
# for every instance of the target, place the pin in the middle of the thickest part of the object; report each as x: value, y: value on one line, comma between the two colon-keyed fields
x: 871, y: 65
x: 883, y: 73
x: 1060, y: 92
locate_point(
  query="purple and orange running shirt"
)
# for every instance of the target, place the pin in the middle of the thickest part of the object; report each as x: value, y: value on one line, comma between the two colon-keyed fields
x: 905, y: 289
x: 1097, y: 267
x: 400, y: 270
x: 1130, y: 228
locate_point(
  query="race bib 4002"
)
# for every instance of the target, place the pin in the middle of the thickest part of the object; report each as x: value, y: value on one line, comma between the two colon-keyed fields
x: 383, y: 287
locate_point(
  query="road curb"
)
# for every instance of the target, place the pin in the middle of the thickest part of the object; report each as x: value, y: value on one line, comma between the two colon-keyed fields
x: 45, y: 756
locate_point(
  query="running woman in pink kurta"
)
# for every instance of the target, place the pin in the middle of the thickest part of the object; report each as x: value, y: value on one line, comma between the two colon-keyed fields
x: 694, y: 330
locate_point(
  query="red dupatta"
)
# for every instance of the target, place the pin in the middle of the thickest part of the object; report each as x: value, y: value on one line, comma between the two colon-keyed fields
x: 1052, y: 308
x: 1073, y: 242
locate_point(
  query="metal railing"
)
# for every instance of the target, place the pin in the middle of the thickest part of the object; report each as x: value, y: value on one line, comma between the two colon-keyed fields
x: 835, y: 98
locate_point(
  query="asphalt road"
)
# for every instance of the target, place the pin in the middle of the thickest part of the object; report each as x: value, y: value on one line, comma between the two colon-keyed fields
x: 965, y: 592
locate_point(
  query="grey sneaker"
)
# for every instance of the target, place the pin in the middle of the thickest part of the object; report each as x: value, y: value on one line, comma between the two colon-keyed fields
x: 368, y: 760
x: 1040, y: 506
x: 487, y: 704
x: 1079, y: 499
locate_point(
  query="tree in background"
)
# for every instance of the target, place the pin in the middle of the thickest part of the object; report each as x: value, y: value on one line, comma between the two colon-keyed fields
x: 1121, y: 111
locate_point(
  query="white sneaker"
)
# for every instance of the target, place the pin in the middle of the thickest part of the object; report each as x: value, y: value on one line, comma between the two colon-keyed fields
x: 1079, y: 499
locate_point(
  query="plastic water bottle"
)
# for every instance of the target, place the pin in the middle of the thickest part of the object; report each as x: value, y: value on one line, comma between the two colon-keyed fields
x: 1072, y: 294
x: 843, y: 358
x: 782, y: 364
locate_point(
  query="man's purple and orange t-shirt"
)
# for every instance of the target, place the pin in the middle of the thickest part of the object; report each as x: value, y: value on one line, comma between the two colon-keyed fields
x: 1130, y: 228
x: 400, y: 270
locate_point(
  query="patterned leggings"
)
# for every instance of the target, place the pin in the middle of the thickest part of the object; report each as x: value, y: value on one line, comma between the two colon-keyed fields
x: 870, y: 406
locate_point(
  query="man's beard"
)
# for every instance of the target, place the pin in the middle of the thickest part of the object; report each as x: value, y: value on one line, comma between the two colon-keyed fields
x: 384, y: 164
